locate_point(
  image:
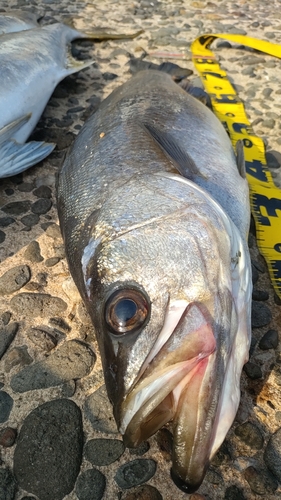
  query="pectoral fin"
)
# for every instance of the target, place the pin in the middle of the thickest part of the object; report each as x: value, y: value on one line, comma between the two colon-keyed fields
x: 180, y: 158
x: 9, y: 130
x: 15, y: 157
x: 240, y: 159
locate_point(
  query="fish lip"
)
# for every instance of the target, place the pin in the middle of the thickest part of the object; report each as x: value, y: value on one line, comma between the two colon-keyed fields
x: 186, y: 487
x: 166, y: 381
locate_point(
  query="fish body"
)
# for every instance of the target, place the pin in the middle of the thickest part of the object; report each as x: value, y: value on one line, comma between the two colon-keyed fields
x: 155, y: 215
x: 33, y: 61
x: 14, y: 20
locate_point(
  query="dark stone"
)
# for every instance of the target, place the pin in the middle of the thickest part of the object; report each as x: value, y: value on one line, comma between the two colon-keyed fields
x: 37, y: 304
x: 6, y: 405
x: 7, y: 335
x: 43, y: 192
x: 260, y: 295
x: 25, y: 187
x: 99, y: 411
x: 213, y: 477
x: 165, y: 442
x: 272, y: 454
x: 60, y: 323
x: 30, y: 220
x: 234, y: 493
x: 261, y: 314
x: 273, y: 159
x: 2, y: 236
x: 6, y: 221
x: 7, y: 437
x: 9, y: 191
x: 109, y: 76
x: 5, y: 318
x: 41, y: 206
x: 48, y: 453
x: 250, y: 435
x: 277, y: 299
x: 144, y: 492
x: 71, y: 360
x: 134, y: 473
x: 252, y: 370
x: 255, y: 275
x: 254, y: 479
x: 90, y: 485
x: 7, y: 485
x: 269, y: 340
x: 17, y: 207
x: 33, y: 252
x: 14, y: 279
x: 103, y: 451
x: 42, y: 337
x: 68, y: 389
x: 17, y: 356
x: 140, y: 450
x: 52, y: 261
x: 53, y: 231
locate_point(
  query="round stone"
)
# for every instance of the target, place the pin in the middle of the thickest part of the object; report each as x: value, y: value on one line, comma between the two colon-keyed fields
x: 103, y: 451
x: 17, y: 207
x: 33, y: 252
x: 41, y: 206
x: 37, y: 304
x: 261, y: 314
x: 234, y: 493
x: 7, y: 485
x: 272, y: 454
x: 99, y: 411
x: 252, y: 370
x: 269, y: 340
x: 144, y: 492
x: 7, y: 437
x: 250, y: 435
x: 48, y: 453
x: 134, y: 473
x: 6, y: 405
x: 14, y: 279
x: 43, y: 192
x: 90, y: 485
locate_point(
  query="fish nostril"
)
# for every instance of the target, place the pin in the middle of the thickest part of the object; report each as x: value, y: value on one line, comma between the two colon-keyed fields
x: 183, y: 485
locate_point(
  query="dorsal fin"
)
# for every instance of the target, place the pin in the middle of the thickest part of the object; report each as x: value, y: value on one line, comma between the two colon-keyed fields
x: 240, y: 159
x: 181, y: 160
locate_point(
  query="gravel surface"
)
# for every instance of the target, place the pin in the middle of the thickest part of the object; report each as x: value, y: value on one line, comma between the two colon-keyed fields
x: 58, y: 437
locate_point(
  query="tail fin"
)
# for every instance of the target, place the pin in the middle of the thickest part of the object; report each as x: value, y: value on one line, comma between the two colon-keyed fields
x: 15, y: 157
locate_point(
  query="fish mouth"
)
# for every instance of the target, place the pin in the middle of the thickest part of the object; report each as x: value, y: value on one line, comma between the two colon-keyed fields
x: 171, y: 387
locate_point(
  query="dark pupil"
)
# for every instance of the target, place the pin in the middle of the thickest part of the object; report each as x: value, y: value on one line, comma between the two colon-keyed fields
x: 125, y: 310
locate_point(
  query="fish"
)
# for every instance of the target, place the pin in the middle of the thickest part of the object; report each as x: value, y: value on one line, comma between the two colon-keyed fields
x: 14, y: 20
x: 154, y: 211
x: 26, y: 84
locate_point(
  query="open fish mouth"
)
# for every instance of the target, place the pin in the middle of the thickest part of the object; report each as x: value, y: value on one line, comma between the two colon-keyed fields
x: 170, y: 387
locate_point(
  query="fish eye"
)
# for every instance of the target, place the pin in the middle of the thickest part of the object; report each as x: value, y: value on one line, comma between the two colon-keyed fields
x: 126, y: 310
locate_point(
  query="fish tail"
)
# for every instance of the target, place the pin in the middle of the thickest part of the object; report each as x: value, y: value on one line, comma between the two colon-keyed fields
x: 15, y: 157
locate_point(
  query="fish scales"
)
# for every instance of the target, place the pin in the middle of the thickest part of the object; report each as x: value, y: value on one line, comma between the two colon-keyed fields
x: 155, y: 214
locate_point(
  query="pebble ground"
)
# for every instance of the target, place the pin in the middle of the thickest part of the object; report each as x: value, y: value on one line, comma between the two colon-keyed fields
x: 57, y: 434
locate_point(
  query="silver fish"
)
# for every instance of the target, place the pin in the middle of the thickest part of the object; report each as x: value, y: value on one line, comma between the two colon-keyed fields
x: 15, y: 20
x: 32, y: 63
x: 154, y: 212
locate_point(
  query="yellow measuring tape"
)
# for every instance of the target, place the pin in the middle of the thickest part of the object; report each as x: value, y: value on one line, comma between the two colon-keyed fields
x: 265, y: 197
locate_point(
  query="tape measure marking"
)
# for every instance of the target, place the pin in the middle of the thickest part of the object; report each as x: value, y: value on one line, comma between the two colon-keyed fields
x: 265, y: 197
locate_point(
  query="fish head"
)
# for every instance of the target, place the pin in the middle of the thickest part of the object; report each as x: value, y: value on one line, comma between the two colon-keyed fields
x: 166, y: 312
